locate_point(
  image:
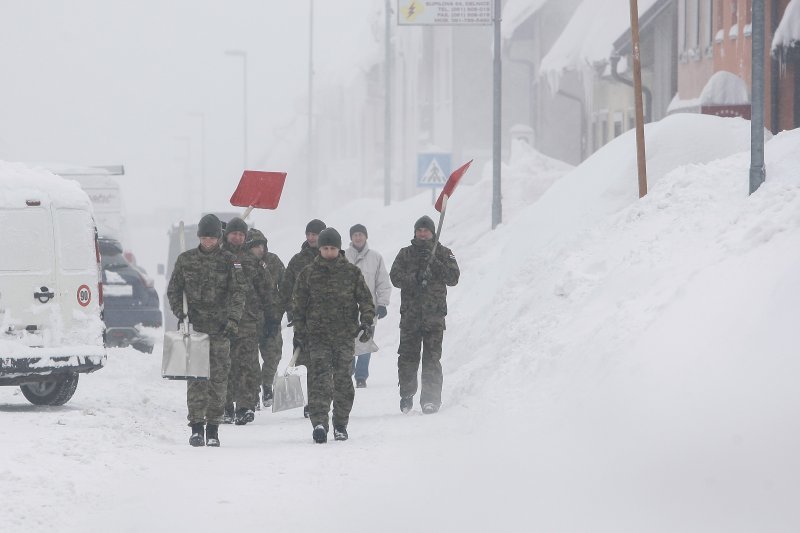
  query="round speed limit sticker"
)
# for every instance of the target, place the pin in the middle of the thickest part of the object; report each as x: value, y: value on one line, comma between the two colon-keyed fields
x: 84, y: 295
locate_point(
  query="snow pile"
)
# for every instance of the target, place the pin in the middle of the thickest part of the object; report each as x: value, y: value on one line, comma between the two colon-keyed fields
x: 19, y: 183
x: 516, y: 12
x: 725, y: 88
x: 589, y: 36
x: 788, y: 32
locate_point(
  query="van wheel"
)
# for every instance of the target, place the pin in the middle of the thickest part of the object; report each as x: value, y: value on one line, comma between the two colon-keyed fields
x: 56, y: 392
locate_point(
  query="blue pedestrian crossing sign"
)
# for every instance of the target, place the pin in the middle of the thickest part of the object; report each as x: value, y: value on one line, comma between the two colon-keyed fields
x: 433, y: 169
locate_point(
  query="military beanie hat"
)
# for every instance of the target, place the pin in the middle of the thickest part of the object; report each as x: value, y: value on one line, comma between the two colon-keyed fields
x: 255, y: 237
x: 359, y: 228
x: 425, y: 222
x: 209, y: 226
x: 315, y: 226
x: 329, y: 237
x: 236, y: 224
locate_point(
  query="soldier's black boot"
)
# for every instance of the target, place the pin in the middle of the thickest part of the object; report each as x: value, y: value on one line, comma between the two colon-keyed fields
x: 212, y: 435
x: 340, y: 432
x: 266, y: 396
x: 244, y: 416
x: 198, y: 435
x: 320, y: 434
x: 227, y: 416
x: 406, y: 404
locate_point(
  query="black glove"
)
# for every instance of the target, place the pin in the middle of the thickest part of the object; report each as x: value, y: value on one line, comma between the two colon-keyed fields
x: 366, y: 331
x: 297, y: 343
x: 289, y: 318
x: 272, y: 328
x: 424, y: 253
x: 381, y: 312
x: 181, y: 316
x: 231, y: 329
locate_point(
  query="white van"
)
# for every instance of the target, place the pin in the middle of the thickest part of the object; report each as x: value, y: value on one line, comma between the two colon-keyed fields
x: 51, y: 326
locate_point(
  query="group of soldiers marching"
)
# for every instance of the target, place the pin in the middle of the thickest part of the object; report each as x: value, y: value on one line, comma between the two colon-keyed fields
x: 237, y: 292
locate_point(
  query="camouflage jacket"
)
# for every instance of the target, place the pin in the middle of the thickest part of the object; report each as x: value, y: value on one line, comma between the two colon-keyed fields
x: 301, y: 259
x: 214, y: 287
x: 276, y: 269
x: 327, y: 300
x: 261, y: 297
x: 426, y: 304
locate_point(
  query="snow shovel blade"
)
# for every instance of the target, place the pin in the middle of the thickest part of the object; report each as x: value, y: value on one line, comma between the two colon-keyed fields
x: 451, y: 184
x: 287, y: 393
x: 259, y: 189
x: 186, y: 356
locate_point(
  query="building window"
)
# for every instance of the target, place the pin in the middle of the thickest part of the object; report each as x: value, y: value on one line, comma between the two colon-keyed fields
x: 617, y: 123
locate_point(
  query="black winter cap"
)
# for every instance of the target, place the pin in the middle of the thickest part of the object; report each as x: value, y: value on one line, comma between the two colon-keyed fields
x: 236, y: 224
x: 329, y: 237
x: 315, y: 226
x: 209, y: 226
x: 425, y: 222
x: 359, y: 228
x: 255, y: 237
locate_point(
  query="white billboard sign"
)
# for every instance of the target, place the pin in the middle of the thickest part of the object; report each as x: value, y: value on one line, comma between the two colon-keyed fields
x: 444, y: 12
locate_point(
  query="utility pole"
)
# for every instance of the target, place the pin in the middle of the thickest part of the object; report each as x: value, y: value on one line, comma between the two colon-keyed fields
x: 758, y: 172
x: 497, y: 197
x: 641, y: 159
x: 311, y: 103
x: 387, y: 119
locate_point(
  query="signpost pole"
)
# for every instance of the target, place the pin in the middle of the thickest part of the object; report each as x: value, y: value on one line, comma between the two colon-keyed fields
x: 497, y: 198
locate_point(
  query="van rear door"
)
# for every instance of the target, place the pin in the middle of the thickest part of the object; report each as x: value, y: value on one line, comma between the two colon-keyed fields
x: 77, y: 273
x: 28, y: 294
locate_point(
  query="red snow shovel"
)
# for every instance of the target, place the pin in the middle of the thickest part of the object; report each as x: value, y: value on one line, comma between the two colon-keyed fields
x: 441, y: 206
x: 258, y: 189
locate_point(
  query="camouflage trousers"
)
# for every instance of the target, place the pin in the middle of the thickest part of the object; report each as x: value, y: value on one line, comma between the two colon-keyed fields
x: 430, y: 340
x: 270, y: 348
x: 329, y: 380
x: 244, y: 377
x: 206, y: 399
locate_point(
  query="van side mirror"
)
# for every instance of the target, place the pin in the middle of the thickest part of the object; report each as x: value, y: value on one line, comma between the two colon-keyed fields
x: 160, y: 269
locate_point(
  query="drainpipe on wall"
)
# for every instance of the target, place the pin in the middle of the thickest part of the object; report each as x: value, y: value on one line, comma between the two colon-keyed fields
x: 648, y: 97
x: 583, y: 119
x: 774, y: 75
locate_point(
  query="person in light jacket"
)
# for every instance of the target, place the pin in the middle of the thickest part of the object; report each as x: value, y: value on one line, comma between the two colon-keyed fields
x: 374, y: 270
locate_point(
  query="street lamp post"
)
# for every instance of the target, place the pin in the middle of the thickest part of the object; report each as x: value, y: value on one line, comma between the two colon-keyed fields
x: 243, y: 55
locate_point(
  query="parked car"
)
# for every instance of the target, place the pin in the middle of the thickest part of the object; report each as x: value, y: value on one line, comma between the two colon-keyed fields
x: 50, y: 293
x: 131, y: 302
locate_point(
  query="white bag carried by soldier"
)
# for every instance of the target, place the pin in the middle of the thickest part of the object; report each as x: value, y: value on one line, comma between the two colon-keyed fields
x: 287, y: 390
x: 186, y: 352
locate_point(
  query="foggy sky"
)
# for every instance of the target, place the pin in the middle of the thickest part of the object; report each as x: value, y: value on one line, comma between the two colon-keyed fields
x: 118, y: 82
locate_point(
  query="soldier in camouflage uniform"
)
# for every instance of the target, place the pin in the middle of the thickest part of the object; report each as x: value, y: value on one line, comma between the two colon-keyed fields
x: 328, y: 297
x: 423, y: 282
x: 271, y: 342
x: 308, y: 252
x: 212, y: 281
x: 260, y: 298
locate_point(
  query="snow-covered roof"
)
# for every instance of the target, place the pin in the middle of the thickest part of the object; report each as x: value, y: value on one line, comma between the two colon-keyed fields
x: 515, y: 12
x: 788, y: 32
x: 20, y: 183
x: 589, y: 36
x: 725, y: 88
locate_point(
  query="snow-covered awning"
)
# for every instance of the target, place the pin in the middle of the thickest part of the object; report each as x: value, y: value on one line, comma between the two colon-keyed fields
x: 788, y: 32
x: 589, y: 36
x: 516, y: 12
